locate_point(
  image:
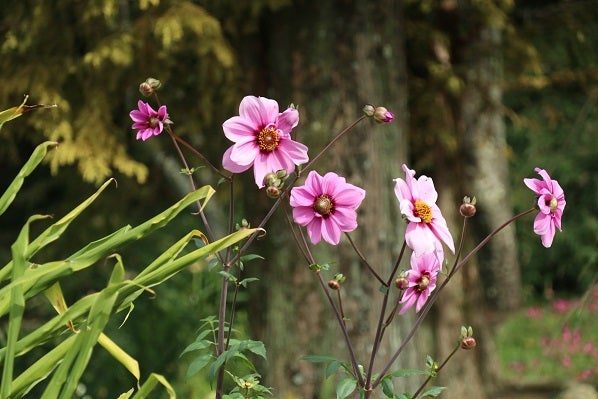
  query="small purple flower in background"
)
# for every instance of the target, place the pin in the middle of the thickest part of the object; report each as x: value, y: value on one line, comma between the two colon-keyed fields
x: 422, y: 280
x: 417, y: 200
x: 551, y: 202
x: 262, y: 138
x: 147, y: 121
x: 327, y: 206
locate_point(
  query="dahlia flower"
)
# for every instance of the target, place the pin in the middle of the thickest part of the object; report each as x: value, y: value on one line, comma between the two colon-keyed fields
x: 147, y: 121
x: 262, y: 139
x: 551, y: 203
x: 327, y: 206
x: 417, y: 201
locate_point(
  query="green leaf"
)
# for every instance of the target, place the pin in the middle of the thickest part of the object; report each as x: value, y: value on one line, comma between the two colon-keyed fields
x: 345, y: 388
x: 387, y: 387
x: 407, y: 372
x: 198, y: 364
x: 15, y: 112
x: 257, y: 348
x: 17, y: 305
x: 149, y: 385
x: 36, y: 157
x: 248, y: 280
x: 319, y: 358
x: 433, y: 392
x: 333, y: 367
x: 40, y: 370
x: 120, y: 355
x: 250, y: 257
x: 197, y: 345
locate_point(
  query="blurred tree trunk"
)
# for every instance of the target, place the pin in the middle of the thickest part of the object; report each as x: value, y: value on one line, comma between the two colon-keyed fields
x: 332, y: 58
x: 485, y: 148
x: 491, y: 281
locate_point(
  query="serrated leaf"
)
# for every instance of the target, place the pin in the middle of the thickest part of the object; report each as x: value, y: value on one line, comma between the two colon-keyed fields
x: 345, y: 388
x: 257, y: 347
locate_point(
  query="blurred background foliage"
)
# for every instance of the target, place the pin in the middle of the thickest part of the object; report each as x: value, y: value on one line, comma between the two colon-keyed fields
x: 89, y: 58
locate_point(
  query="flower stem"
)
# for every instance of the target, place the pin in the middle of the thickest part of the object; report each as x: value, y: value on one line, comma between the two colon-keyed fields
x: 434, y: 295
x: 423, y: 385
x: 365, y: 262
x: 341, y: 323
x: 381, y: 327
x: 332, y: 142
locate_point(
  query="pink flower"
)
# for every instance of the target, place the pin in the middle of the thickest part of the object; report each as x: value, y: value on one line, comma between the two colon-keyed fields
x: 262, y: 139
x: 327, y: 206
x: 147, y: 121
x: 551, y: 203
x: 417, y: 200
x: 422, y: 280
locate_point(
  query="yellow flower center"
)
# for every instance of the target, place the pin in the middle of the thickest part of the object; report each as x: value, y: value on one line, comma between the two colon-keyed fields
x: 267, y: 139
x: 553, y: 204
x: 323, y: 205
x: 423, y: 211
x: 423, y: 283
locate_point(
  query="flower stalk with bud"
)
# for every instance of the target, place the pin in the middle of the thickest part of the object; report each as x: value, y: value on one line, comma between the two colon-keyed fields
x: 327, y: 208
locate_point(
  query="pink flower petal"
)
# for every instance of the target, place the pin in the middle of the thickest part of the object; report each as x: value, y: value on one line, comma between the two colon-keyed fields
x: 288, y: 120
x: 230, y: 165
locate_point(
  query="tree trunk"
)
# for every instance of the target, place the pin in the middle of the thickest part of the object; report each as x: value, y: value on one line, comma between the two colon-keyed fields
x: 483, y: 130
x: 332, y: 58
x: 491, y: 281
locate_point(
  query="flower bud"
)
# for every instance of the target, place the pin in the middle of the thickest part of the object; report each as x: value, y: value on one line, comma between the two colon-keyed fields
x: 148, y: 87
x: 145, y: 89
x: 273, y: 192
x: 243, y: 225
x: 368, y: 110
x: 402, y: 282
x: 467, y: 208
x: 334, y: 285
x: 468, y: 343
x: 382, y: 115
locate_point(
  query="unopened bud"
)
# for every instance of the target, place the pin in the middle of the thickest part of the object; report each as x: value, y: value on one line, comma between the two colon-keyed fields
x: 273, y: 192
x: 402, y: 282
x: 382, y: 115
x: 145, y: 89
x: 148, y: 87
x: 243, y: 225
x: 282, y: 174
x: 369, y: 110
x: 468, y: 343
x: 467, y: 339
x: 340, y: 277
x: 467, y: 208
x: 334, y: 285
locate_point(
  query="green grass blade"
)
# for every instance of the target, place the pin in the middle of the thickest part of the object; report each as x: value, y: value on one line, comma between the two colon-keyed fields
x: 17, y: 306
x: 66, y: 378
x: 54, y: 232
x: 151, y: 383
x: 120, y: 355
x: 40, y: 278
x: 38, y: 155
x: 40, y: 370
